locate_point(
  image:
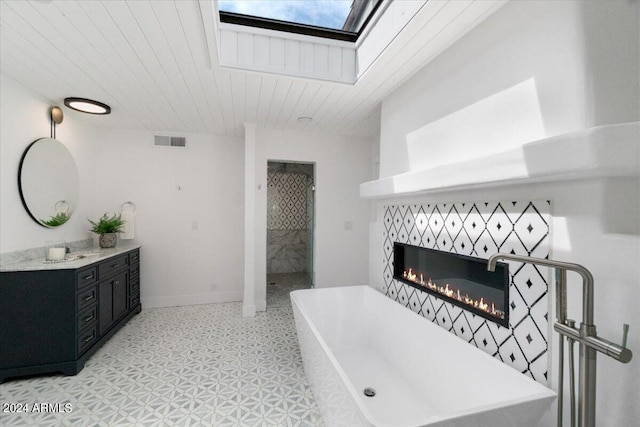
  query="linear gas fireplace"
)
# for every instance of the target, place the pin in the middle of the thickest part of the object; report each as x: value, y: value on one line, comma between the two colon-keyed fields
x: 461, y: 280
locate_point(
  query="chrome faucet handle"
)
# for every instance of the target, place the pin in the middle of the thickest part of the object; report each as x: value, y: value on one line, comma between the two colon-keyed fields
x: 625, y: 332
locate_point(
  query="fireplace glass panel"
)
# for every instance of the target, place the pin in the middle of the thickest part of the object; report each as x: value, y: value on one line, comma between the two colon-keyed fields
x: 458, y: 279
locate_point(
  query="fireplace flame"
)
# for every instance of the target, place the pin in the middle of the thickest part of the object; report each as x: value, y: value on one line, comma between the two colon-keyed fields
x: 447, y: 290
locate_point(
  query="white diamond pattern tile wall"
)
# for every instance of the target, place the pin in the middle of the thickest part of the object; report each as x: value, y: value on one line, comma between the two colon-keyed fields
x: 201, y: 365
x: 287, y: 201
x: 480, y: 229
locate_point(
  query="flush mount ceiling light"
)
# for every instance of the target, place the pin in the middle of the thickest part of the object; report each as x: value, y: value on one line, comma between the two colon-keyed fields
x: 304, y: 119
x: 87, y: 106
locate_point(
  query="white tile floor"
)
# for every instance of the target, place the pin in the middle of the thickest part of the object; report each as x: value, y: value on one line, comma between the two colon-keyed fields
x: 200, y: 365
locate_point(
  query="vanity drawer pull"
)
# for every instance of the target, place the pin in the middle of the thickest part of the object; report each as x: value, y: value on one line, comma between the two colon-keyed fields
x: 86, y: 339
x: 87, y: 298
x: 116, y: 282
x: 107, y: 268
x: 86, y: 276
x: 86, y: 318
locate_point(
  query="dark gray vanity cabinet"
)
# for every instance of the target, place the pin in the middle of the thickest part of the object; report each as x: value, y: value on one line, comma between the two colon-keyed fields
x: 113, y: 291
x: 54, y: 320
x: 134, y: 279
x: 113, y: 301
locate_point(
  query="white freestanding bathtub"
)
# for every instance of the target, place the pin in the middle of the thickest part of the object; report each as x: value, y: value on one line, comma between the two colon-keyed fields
x: 352, y: 338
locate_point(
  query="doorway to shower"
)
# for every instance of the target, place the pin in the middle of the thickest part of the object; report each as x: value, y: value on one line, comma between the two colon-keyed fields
x: 290, y: 229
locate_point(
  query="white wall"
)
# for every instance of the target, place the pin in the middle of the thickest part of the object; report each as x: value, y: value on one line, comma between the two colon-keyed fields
x: 341, y: 165
x: 580, y: 233
x: 189, y: 212
x: 583, y: 58
x: 24, y: 117
x: 180, y: 264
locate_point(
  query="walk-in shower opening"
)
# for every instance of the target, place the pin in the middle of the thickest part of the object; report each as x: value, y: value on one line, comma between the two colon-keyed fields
x: 290, y: 225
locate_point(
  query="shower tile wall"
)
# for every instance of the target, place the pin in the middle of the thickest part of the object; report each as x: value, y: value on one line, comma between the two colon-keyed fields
x: 286, y: 251
x: 481, y: 229
x: 287, y: 222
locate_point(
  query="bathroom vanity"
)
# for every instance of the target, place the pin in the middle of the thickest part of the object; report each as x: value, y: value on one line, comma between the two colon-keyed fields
x: 53, y: 317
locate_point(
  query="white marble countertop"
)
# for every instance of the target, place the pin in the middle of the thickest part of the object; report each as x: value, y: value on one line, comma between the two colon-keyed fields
x: 74, y: 260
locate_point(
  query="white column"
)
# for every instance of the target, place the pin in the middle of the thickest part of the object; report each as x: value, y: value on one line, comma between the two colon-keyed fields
x: 248, y: 304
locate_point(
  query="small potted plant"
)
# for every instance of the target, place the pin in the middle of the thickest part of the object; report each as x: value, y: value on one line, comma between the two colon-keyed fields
x: 107, y: 227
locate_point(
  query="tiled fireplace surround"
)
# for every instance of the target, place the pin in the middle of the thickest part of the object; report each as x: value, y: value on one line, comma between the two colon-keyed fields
x: 481, y: 229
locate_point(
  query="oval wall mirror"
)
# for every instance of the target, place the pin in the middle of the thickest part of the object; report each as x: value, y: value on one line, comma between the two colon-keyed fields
x: 48, y: 182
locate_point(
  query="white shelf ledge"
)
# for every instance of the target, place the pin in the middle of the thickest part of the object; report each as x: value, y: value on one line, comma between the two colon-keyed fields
x: 604, y: 151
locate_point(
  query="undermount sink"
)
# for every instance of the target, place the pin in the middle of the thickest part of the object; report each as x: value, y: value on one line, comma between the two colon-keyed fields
x: 74, y: 256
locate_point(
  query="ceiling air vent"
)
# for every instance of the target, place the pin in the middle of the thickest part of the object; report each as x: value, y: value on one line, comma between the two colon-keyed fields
x: 170, y: 141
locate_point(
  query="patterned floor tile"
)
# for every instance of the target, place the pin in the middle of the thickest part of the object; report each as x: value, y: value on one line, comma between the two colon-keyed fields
x: 201, y: 365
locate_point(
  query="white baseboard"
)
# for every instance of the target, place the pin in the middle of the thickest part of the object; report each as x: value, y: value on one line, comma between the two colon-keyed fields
x: 179, y: 300
x: 261, y: 305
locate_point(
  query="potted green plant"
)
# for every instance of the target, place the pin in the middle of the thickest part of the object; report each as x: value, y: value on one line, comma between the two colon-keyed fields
x: 107, y: 227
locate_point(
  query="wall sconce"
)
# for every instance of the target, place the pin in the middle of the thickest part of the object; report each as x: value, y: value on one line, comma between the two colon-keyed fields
x: 56, y: 116
x: 87, y: 106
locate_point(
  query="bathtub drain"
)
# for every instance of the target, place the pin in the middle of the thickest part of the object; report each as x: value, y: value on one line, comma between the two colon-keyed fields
x: 369, y: 392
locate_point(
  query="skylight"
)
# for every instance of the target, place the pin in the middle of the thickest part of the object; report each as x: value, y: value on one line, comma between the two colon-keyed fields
x: 336, y: 19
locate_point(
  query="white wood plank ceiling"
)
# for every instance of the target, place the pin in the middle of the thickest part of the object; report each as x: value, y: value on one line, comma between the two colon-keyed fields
x: 150, y: 61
